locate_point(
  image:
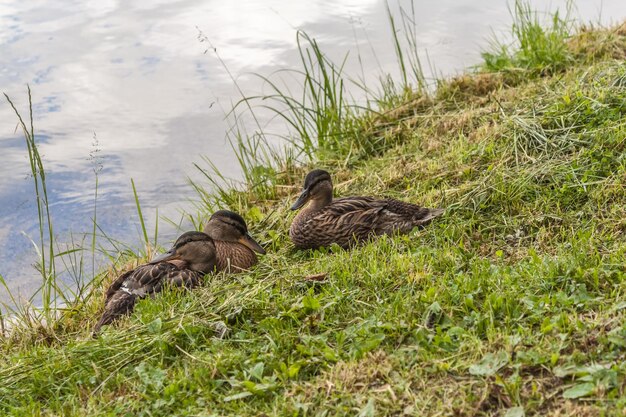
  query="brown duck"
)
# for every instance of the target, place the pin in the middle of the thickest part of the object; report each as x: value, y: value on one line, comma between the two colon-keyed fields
x: 192, y: 256
x: 234, y: 246
x: 349, y: 220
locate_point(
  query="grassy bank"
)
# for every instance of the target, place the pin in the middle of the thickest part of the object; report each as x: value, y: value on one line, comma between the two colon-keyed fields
x: 511, y: 304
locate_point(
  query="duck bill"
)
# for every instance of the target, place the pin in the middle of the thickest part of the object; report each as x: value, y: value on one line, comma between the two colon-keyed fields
x: 167, y: 256
x: 249, y: 242
x: 304, y: 197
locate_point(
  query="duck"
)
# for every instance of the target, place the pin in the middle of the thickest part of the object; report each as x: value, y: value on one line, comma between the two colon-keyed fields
x: 184, y: 265
x: 347, y: 221
x: 236, y: 250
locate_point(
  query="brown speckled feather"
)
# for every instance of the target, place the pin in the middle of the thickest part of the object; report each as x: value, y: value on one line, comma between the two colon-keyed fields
x: 345, y: 221
x: 234, y: 257
x: 141, y: 282
x: 235, y: 248
x: 192, y: 255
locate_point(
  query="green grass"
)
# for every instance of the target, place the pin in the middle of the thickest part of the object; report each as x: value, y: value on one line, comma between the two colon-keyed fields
x: 49, y: 291
x: 537, y: 46
x: 513, y: 303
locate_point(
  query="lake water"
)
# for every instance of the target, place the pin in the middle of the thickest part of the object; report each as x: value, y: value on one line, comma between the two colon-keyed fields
x: 131, y: 83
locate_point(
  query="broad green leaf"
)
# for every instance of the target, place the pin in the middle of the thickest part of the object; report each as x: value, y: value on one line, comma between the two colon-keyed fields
x: 490, y: 364
x: 369, y: 410
x: 579, y: 390
x: 256, y: 371
x: 150, y: 376
x: 237, y: 396
x: 515, y: 412
x: 155, y: 325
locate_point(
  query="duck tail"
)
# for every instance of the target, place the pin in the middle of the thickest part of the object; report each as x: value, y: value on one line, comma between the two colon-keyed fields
x: 119, y: 304
x: 422, y: 216
x: 431, y: 214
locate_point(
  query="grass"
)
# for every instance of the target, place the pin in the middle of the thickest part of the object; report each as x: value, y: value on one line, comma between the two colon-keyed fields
x: 513, y: 303
x: 45, y: 247
x: 62, y: 291
x: 538, y: 47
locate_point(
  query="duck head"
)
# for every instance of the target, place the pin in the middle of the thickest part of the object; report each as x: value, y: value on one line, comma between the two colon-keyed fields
x: 229, y: 226
x: 318, y: 188
x: 195, y: 249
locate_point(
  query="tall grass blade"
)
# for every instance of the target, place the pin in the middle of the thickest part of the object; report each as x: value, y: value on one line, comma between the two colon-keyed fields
x: 47, y: 258
x: 141, y: 221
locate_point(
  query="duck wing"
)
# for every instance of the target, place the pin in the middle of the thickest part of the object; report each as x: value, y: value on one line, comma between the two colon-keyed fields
x: 150, y: 279
x: 147, y: 279
x: 351, y: 218
x: 117, y: 284
x: 356, y: 211
x: 183, y: 277
x: 342, y: 221
x: 142, y: 281
x: 402, y: 216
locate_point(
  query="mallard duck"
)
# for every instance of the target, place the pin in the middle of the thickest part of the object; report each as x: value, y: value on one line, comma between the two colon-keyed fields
x: 348, y: 220
x: 234, y: 245
x: 192, y: 256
